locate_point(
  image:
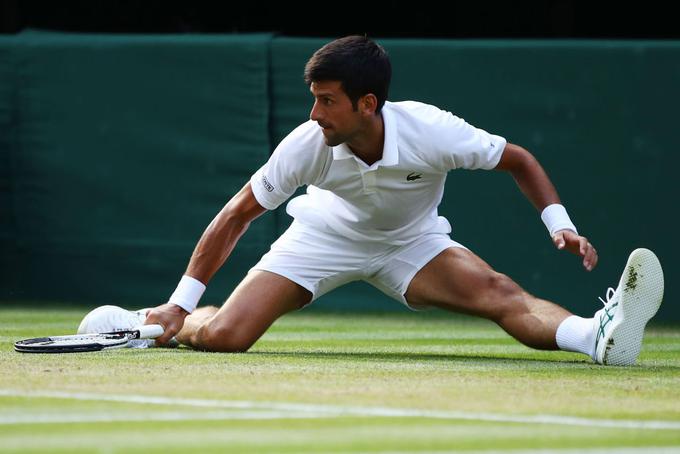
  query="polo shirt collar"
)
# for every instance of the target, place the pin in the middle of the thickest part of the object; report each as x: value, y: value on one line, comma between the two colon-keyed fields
x: 390, y: 150
x: 342, y: 151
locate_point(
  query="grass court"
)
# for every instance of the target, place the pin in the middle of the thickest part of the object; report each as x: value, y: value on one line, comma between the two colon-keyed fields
x: 336, y: 382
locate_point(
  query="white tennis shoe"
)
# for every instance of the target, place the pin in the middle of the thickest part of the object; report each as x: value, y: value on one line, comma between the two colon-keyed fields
x: 105, y: 319
x: 619, y: 326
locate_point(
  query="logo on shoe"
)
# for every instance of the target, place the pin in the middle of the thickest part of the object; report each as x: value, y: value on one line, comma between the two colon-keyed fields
x: 605, y: 318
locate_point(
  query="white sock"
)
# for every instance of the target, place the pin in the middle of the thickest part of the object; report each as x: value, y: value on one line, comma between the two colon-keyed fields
x: 575, y: 334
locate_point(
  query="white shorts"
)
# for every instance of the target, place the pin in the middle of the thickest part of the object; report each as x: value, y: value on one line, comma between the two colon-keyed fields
x: 321, y: 260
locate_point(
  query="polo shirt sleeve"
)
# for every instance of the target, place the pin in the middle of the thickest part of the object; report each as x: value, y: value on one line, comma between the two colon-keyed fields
x: 459, y: 145
x: 294, y: 163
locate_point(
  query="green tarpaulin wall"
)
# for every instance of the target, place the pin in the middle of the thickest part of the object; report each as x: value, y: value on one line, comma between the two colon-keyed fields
x: 116, y: 152
x: 122, y: 150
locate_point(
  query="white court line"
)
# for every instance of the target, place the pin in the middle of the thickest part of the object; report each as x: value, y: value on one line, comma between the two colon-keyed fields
x: 35, y: 418
x: 291, y: 410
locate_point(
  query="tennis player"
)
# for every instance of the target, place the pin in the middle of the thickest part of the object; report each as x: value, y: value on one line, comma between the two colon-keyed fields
x: 375, y: 173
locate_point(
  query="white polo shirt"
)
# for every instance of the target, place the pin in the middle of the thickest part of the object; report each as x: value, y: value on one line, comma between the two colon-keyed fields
x: 394, y: 200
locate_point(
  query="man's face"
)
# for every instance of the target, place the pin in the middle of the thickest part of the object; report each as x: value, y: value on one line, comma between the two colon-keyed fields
x: 334, y: 113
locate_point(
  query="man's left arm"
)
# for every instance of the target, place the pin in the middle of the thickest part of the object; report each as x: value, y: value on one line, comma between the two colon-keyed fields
x: 537, y: 187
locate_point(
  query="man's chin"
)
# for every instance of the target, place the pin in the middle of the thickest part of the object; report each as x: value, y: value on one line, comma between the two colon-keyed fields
x: 332, y: 141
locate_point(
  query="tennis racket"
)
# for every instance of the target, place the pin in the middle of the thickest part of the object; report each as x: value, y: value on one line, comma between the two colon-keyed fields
x: 87, y: 342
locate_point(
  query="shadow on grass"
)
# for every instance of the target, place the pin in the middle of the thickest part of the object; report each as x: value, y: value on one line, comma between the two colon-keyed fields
x: 411, y: 357
x: 377, y: 357
x: 485, y: 359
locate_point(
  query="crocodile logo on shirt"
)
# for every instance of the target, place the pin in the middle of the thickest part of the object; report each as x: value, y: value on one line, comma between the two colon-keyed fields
x: 413, y: 176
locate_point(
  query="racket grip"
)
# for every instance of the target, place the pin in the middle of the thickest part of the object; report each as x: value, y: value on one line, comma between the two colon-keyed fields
x: 150, y: 331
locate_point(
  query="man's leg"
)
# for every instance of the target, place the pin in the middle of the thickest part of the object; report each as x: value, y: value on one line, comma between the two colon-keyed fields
x: 458, y: 280
x: 260, y: 299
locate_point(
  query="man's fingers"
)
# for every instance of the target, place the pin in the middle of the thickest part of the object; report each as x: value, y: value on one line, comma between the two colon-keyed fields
x: 170, y: 317
x: 153, y: 318
x: 583, y: 246
x: 576, y: 244
x: 170, y: 329
x: 590, y: 260
x: 163, y: 339
x: 167, y: 335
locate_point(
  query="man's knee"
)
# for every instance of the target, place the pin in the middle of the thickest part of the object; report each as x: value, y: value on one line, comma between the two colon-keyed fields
x: 221, y: 337
x: 501, y: 285
x: 502, y: 296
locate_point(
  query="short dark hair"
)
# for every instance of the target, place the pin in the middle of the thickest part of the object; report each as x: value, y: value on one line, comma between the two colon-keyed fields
x: 361, y: 65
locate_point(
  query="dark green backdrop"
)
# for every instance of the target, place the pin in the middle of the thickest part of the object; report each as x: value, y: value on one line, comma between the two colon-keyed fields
x: 116, y: 152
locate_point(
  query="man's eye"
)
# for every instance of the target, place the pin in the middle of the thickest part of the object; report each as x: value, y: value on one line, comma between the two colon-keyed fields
x: 327, y: 101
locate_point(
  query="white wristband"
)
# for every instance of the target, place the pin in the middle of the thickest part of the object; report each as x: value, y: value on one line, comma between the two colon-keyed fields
x: 187, y: 293
x: 555, y: 218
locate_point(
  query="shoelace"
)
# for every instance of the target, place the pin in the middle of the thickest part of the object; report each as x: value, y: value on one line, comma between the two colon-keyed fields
x: 609, y: 295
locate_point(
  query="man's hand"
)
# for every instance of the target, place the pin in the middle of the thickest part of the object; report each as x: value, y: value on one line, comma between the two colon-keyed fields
x: 576, y: 244
x: 170, y: 317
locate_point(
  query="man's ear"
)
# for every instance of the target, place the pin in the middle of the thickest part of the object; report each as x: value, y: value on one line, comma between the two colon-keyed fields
x: 368, y: 104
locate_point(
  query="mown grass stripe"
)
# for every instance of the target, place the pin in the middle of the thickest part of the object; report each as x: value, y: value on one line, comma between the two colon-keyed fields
x: 291, y: 409
x: 32, y: 418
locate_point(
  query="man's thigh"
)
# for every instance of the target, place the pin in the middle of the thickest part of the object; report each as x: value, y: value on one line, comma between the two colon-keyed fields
x: 457, y: 280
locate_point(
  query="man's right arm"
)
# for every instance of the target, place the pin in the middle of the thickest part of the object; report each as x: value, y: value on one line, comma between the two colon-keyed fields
x: 221, y: 236
x: 213, y: 248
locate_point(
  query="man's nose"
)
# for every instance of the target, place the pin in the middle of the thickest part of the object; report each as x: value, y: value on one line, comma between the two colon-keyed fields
x: 315, y: 114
